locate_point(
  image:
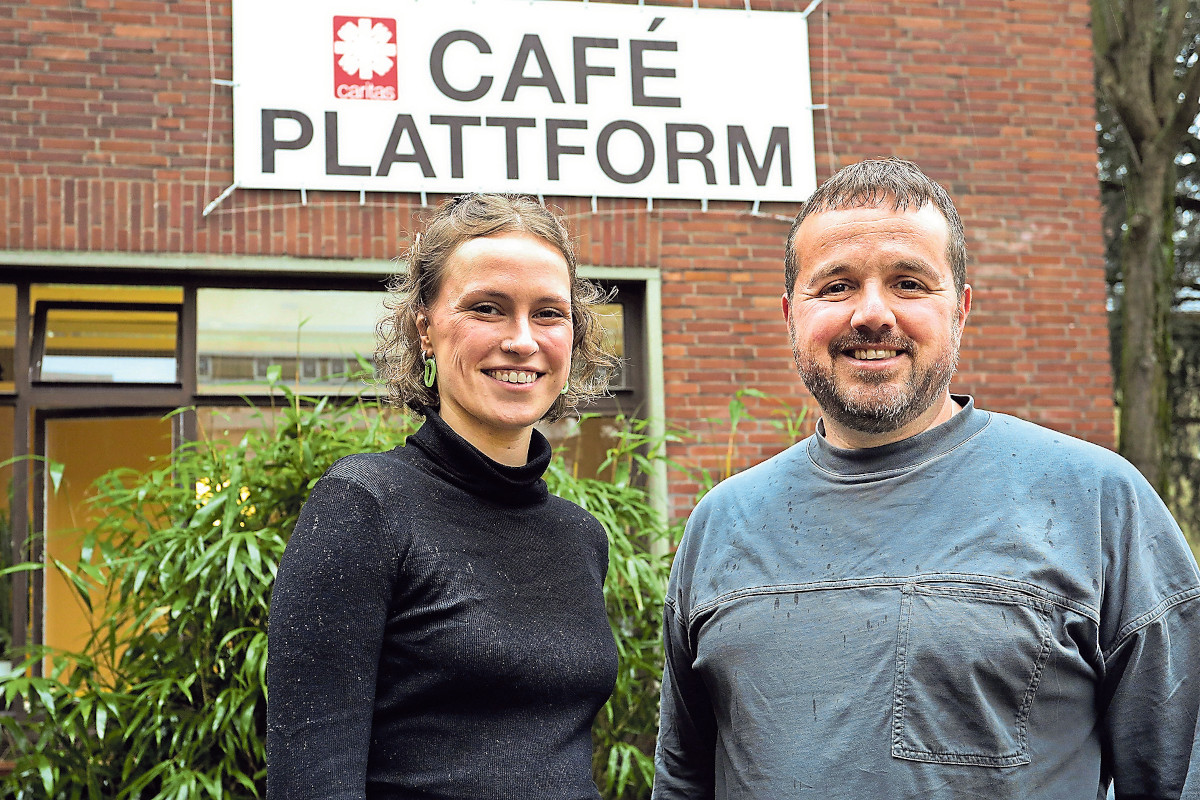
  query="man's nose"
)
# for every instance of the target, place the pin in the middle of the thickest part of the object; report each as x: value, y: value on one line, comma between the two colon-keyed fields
x: 873, y: 311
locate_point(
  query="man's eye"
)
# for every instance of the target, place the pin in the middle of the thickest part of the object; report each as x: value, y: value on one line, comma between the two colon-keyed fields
x: 908, y: 285
x: 836, y: 288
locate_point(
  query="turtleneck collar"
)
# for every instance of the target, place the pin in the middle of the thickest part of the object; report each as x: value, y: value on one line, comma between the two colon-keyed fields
x: 459, y: 462
x: 901, y: 456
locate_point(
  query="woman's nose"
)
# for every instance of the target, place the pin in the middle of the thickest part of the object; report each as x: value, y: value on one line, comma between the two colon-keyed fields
x: 521, y: 341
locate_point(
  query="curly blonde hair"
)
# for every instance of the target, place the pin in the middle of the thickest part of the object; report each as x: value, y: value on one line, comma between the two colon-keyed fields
x: 398, y: 356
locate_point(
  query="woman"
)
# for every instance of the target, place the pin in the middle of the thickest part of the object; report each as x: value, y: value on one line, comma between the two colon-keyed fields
x: 437, y: 627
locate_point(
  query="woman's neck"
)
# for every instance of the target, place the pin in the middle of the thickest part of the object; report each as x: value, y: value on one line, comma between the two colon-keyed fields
x: 504, y: 446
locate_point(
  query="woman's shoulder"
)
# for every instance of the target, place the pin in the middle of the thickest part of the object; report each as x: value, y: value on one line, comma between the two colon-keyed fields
x: 382, y: 474
x: 568, y: 515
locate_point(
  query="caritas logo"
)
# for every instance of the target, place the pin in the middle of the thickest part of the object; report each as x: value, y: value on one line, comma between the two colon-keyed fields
x: 364, y: 58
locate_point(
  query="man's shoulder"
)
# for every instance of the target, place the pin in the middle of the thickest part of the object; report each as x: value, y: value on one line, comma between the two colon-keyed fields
x: 1024, y: 437
x: 762, y: 477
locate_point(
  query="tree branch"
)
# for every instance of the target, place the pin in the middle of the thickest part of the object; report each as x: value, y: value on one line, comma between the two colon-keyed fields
x: 1189, y: 106
x: 1130, y: 84
x: 1173, y: 33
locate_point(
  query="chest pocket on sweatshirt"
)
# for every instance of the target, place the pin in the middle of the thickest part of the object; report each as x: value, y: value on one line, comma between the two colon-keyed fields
x: 968, y: 664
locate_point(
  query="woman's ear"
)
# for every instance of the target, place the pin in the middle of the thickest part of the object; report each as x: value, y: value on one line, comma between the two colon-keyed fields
x: 423, y: 331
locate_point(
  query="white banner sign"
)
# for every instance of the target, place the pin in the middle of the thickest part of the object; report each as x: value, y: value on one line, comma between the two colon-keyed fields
x: 534, y: 96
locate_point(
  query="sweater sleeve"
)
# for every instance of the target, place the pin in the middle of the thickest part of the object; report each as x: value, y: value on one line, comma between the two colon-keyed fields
x: 1151, y: 723
x: 687, y: 736
x: 1150, y: 691
x: 328, y: 611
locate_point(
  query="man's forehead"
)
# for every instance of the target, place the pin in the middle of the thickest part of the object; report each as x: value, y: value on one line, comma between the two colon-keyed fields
x: 886, y: 206
x: 926, y: 221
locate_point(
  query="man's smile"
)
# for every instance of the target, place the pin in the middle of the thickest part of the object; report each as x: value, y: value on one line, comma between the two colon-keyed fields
x: 874, y: 354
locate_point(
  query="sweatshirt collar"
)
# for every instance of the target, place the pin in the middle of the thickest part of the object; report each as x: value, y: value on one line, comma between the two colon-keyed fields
x: 903, y: 455
x: 459, y: 462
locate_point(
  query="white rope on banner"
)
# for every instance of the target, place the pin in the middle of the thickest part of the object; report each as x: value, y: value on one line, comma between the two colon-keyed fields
x: 212, y: 69
x: 304, y: 197
x: 647, y: 210
x: 362, y: 197
x: 811, y: 8
x: 595, y: 203
x: 783, y: 219
x: 424, y: 200
x: 212, y: 104
x: 825, y: 79
x: 208, y: 209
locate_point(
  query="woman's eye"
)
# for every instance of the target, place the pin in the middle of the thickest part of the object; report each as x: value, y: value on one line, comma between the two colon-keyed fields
x: 551, y: 313
x: 485, y: 308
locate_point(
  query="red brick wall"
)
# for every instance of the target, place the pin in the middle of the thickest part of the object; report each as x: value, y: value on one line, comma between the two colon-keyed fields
x: 112, y: 138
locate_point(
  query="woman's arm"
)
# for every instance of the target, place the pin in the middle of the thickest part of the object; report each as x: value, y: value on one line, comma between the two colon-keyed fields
x: 328, y: 610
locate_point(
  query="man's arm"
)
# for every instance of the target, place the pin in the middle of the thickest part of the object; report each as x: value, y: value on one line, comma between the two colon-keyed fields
x: 1152, y: 716
x: 1191, y: 786
x: 687, y: 734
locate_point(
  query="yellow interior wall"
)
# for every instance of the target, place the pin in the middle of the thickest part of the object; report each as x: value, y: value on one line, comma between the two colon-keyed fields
x: 7, y: 424
x: 87, y: 448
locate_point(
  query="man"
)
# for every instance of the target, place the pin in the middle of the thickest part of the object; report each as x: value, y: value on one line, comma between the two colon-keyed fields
x: 923, y: 599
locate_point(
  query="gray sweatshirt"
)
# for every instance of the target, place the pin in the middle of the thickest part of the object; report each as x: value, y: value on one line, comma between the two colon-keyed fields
x: 989, y: 609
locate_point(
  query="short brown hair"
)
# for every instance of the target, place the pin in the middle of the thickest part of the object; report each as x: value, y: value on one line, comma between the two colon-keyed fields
x: 871, y: 184
x: 398, y: 353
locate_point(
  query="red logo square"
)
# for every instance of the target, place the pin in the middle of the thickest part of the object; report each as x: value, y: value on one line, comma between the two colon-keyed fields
x: 364, y: 58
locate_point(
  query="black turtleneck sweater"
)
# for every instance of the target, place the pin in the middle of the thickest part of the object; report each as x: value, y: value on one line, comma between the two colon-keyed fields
x: 437, y: 630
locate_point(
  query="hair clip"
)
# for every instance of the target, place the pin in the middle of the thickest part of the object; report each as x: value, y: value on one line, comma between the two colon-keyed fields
x: 456, y: 201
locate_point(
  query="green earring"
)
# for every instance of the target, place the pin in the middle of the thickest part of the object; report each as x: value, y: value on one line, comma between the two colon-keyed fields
x: 430, y: 374
x: 566, y: 387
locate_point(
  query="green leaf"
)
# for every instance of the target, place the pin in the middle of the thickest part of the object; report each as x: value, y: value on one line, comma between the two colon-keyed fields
x: 27, y: 566
x: 55, y: 470
x: 101, y: 720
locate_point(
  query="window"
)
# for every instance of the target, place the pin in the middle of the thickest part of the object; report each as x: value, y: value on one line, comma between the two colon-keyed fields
x: 315, y: 338
x: 584, y: 441
x: 88, y: 342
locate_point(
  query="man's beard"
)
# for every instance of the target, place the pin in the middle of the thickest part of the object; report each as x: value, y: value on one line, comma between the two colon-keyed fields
x: 888, y: 407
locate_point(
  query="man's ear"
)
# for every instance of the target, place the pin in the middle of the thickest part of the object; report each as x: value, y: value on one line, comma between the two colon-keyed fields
x: 964, y: 306
x: 787, y: 310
